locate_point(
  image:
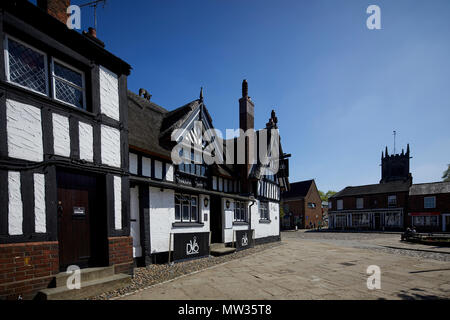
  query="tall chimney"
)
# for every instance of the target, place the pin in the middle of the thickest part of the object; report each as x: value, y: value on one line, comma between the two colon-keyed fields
x: 55, y: 8
x: 246, y: 109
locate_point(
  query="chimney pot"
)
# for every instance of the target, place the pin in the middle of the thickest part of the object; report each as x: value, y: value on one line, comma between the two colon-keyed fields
x: 55, y: 8
x: 92, y: 32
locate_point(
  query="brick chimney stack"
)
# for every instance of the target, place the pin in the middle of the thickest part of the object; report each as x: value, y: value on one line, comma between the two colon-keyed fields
x: 246, y: 109
x: 55, y: 8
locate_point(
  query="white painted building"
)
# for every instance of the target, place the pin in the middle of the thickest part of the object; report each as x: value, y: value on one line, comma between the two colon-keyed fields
x: 193, y: 198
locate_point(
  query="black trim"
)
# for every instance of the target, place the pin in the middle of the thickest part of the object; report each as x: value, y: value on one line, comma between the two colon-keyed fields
x: 27, y: 191
x: 3, y: 203
x: 51, y: 198
x: 187, y: 224
x: 95, y: 85
x: 109, y: 188
x: 3, y: 123
x: 47, y: 132
x: 144, y: 222
x: 74, y: 138
x: 96, y: 129
x: 2, y: 51
x: 125, y: 190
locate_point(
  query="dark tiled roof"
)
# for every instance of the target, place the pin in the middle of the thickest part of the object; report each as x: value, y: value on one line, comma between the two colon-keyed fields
x: 298, y: 189
x: 394, y: 186
x: 429, y: 188
x: 144, y: 121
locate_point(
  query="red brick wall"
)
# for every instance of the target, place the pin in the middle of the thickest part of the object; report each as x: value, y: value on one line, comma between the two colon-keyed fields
x: 314, y: 214
x: 121, y: 254
x: 26, y: 268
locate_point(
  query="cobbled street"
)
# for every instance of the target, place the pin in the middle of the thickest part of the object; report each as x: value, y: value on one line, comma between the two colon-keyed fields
x: 320, y: 265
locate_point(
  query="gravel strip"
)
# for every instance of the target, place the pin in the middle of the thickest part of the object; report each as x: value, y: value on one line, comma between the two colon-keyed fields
x: 158, y: 273
x: 413, y: 253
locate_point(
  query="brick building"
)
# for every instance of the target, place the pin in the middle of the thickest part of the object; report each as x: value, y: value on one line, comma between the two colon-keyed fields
x: 302, y: 206
x: 429, y: 207
x: 382, y: 206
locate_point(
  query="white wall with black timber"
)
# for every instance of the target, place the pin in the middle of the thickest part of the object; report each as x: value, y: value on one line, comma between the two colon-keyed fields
x: 118, y: 203
x: 162, y: 217
x: 61, y: 135
x: 86, y: 139
x: 24, y: 131
x: 110, y: 146
x: 135, y: 222
x: 228, y: 219
x: 109, y: 93
x: 39, y: 204
x: 15, y: 204
x: 266, y: 228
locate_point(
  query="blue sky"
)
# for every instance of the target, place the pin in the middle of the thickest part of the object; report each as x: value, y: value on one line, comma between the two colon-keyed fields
x: 339, y: 89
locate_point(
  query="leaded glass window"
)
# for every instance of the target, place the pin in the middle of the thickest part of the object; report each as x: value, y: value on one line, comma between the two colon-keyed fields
x: 27, y: 67
x: 68, y: 85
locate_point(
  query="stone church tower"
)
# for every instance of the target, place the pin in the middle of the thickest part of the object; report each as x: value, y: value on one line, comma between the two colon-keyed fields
x: 395, y: 167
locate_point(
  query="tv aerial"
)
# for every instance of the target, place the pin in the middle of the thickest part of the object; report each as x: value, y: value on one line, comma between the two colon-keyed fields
x: 94, y: 4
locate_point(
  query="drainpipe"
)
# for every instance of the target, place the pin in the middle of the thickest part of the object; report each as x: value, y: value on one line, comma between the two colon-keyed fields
x: 250, y: 218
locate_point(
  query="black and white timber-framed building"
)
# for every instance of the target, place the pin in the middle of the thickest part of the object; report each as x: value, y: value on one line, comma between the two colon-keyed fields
x: 194, y: 199
x: 64, y: 187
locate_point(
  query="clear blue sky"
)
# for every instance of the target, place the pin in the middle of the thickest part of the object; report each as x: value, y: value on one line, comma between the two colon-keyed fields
x: 339, y: 89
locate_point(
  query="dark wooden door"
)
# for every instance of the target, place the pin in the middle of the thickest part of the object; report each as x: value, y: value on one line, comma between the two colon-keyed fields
x: 76, y: 195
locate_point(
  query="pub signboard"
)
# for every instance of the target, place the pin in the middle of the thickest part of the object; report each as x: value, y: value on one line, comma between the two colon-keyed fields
x: 244, y: 239
x: 190, y: 245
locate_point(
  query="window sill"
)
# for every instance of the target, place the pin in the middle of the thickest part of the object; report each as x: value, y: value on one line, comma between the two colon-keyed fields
x: 240, y: 223
x: 188, y: 224
x: 265, y: 221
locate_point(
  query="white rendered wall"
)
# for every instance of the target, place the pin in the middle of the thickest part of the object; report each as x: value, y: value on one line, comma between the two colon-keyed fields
x: 135, y: 231
x: 229, y: 232
x: 146, y: 167
x: 86, y: 139
x: 162, y: 216
x: 169, y: 172
x: 109, y: 94
x: 24, y: 131
x: 61, y: 135
x: 133, y: 163
x: 263, y: 230
x: 40, y: 223
x: 110, y: 147
x: 118, y: 203
x: 158, y: 169
x: 15, y: 206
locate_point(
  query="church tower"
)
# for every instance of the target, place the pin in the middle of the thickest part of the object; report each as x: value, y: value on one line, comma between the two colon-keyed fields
x: 395, y: 167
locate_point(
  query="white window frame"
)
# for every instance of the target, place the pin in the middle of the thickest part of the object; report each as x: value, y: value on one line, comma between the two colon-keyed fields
x: 340, y: 204
x: 83, y: 89
x: 389, y: 200
x: 264, y: 213
x: 425, y: 202
x: 7, y: 70
x: 359, y: 203
x: 182, y: 198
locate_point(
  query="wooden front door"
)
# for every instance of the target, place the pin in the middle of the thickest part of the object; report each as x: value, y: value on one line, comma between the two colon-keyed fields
x: 78, y: 219
x: 215, y: 219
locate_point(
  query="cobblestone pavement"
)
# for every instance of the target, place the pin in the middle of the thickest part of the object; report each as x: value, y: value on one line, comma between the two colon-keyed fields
x: 319, y: 265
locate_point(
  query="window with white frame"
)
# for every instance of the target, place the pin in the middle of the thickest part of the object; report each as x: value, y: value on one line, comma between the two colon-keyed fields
x: 359, y: 203
x: 340, y: 204
x: 429, y: 202
x: 240, y: 211
x: 186, y: 208
x: 68, y: 84
x: 392, y: 201
x: 426, y: 221
x: 264, y: 211
x: 26, y: 66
